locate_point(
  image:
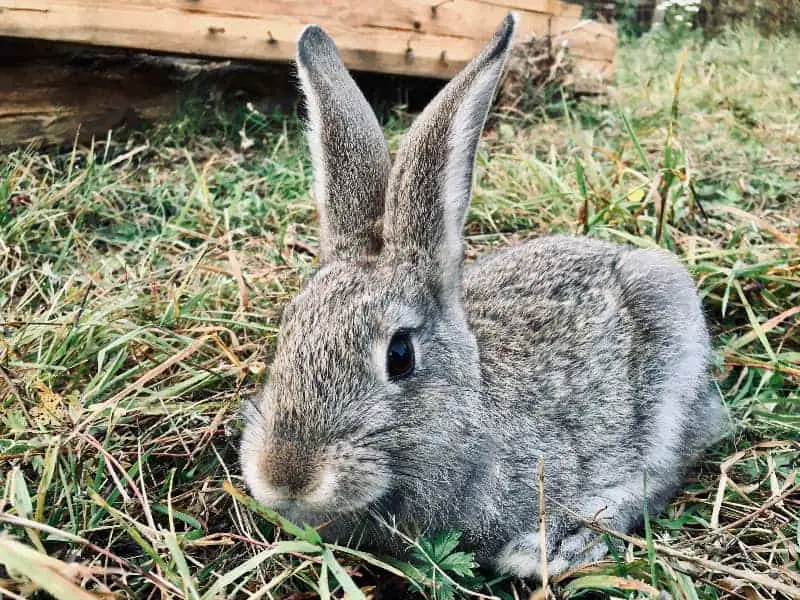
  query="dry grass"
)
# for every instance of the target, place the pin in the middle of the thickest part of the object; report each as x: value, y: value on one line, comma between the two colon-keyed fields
x: 140, y: 282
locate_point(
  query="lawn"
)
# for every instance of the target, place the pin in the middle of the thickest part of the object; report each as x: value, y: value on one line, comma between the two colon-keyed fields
x: 141, y: 280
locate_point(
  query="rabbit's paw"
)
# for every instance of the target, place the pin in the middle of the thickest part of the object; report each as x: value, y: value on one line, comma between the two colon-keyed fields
x: 582, y: 546
x: 522, y: 556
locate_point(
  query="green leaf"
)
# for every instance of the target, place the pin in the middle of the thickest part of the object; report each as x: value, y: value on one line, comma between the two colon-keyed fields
x: 387, y: 564
x: 438, y: 564
x: 632, y: 134
x: 22, y: 503
x: 20, y: 496
x: 609, y: 582
x: 460, y: 563
x: 14, y: 421
x: 50, y: 458
x: 411, y: 572
x: 444, y: 543
x: 425, y: 552
x: 444, y: 590
x: 322, y: 584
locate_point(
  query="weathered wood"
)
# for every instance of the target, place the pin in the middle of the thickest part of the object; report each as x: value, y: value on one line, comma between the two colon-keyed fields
x: 47, y: 101
x: 593, y: 47
x: 44, y: 100
x: 413, y: 37
x: 51, y: 92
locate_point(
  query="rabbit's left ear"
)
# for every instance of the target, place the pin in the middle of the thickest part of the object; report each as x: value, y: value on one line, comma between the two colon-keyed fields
x: 349, y: 155
x: 431, y: 182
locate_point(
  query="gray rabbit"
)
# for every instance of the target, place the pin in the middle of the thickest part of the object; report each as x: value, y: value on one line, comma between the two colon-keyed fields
x: 408, y: 387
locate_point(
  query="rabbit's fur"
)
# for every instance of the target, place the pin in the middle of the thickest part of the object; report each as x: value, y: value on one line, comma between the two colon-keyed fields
x: 590, y: 355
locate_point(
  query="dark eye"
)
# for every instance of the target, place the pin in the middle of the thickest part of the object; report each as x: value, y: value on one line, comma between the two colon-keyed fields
x: 400, y: 356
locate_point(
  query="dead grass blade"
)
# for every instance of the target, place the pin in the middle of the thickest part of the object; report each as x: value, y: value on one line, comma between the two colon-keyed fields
x: 50, y: 574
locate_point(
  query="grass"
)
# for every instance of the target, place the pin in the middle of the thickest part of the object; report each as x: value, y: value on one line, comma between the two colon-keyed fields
x: 141, y: 281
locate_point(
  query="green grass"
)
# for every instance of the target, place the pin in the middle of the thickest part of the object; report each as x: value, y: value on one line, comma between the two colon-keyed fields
x: 141, y: 281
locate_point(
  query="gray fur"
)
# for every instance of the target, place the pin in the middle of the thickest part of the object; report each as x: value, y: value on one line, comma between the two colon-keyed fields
x: 431, y: 181
x: 349, y: 154
x: 591, y: 355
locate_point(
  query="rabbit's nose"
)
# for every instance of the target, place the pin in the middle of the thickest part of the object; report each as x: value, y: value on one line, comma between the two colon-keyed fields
x: 291, y: 470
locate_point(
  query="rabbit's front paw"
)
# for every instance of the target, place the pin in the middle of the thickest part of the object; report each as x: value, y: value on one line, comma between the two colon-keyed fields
x: 582, y: 546
x: 522, y: 556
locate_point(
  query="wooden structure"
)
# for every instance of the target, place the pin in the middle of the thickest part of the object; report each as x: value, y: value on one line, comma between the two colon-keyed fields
x: 429, y: 38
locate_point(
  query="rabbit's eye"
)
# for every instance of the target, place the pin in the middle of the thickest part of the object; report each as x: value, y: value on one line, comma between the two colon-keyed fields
x: 400, y: 356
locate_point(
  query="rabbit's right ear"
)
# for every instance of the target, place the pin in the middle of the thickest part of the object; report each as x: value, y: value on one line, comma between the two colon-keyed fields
x: 349, y: 155
x: 431, y: 182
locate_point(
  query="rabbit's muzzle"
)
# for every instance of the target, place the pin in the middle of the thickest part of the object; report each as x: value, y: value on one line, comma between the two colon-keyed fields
x: 291, y: 471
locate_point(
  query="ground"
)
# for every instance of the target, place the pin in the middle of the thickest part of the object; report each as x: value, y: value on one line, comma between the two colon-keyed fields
x: 141, y: 279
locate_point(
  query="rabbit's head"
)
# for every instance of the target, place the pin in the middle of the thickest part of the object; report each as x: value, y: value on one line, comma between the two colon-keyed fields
x: 373, y: 390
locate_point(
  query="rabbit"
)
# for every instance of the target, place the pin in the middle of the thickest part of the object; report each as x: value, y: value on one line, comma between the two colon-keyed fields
x: 408, y: 388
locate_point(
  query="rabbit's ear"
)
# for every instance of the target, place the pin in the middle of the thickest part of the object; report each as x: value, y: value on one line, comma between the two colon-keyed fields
x: 431, y: 182
x: 349, y: 155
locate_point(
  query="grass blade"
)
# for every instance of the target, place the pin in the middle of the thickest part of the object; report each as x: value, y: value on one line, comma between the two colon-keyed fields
x: 48, y: 573
x: 253, y: 563
x: 348, y: 585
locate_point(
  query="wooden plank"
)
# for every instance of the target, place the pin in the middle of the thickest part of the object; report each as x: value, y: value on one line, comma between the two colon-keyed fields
x: 349, y: 10
x: 50, y: 91
x: 45, y: 101
x: 407, y: 40
x: 432, y: 16
x: 586, y: 39
x: 271, y: 39
x: 48, y: 103
x: 551, y: 7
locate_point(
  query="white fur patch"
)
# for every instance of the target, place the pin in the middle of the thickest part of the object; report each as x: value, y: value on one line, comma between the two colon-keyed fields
x: 254, y: 443
x: 325, y: 490
x: 314, y: 137
x: 467, y: 125
x: 521, y: 556
x: 610, y: 505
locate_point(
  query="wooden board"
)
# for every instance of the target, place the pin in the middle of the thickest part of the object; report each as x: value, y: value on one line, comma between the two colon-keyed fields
x: 44, y: 99
x: 49, y: 103
x: 50, y: 91
x: 412, y: 37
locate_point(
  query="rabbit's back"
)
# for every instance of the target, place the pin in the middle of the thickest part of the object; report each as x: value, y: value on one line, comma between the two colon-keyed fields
x: 598, y: 350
